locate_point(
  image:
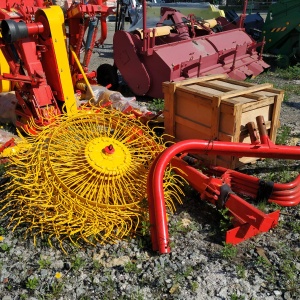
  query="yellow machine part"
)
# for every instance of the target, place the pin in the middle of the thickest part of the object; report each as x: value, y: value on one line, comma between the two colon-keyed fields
x: 166, y: 30
x: 159, y: 31
x: 84, y: 177
x: 56, y: 21
x: 4, y: 68
x: 211, y: 23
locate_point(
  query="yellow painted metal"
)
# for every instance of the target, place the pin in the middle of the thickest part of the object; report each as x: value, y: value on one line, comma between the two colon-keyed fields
x: 56, y: 21
x: 159, y: 31
x: 4, y: 68
x: 114, y: 164
x: 82, y: 73
x: 66, y: 186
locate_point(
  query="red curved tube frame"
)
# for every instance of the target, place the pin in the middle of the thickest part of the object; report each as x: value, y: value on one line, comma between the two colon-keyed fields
x: 157, y: 209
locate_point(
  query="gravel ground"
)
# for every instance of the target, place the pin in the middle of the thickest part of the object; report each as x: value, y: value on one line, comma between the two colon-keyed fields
x: 198, y: 267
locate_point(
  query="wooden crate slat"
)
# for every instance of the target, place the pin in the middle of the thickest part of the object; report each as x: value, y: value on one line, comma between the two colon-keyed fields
x: 218, y: 108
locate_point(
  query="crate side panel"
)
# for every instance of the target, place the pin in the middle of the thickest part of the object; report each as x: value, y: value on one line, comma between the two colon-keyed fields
x: 184, y: 132
x: 193, y: 108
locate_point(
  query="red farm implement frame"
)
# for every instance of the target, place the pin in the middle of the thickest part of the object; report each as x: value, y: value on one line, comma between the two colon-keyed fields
x: 248, y: 221
x: 44, y: 60
x: 182, y: 47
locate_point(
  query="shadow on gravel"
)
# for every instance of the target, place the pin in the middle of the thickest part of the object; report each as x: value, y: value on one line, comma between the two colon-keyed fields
x: 292, y: 104
x: 204, y: 214
x: 268, y: 169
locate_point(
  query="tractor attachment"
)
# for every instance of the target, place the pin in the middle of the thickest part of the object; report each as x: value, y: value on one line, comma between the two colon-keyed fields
x: 41, y: 62
x: 182, y: 47
x: 83, y: 178
x: 279, y: 31
x: 222, y: 192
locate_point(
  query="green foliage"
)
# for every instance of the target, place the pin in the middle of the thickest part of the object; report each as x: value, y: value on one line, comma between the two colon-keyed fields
x: 283, y: 174
x: 145, y: 228
x: 241, y: 271
x: 78, y: 263
x: 295, y: 225
x: 131, y: 267
x: 44, y: 263
x: 32, y: 283
x: 3, y: 167
x: 263, y: 205
x: 225, y: 222
x: 4, y: 247
x: 289, y: 269
x: 283, y: 135
x: 157, y: 105
x: 57, y: 288
x: 262, y: 261
x: 188, y: 271
x: 97, y: 265
x: 182, y: 227
x: 289, y: 73
x: 2, y: 230
x: 281, y: 79
x: 236, y: 297
x: 194, y: 286
x: 229, y: 251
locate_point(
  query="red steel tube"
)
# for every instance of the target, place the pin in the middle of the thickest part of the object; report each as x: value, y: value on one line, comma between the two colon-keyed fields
x: 35, y: 28
x: 151, y: 207
x: 205, y: 147
x: 251, y: 179
x: 285, y: 194
x: 250, y: 184
x: 103, y: 29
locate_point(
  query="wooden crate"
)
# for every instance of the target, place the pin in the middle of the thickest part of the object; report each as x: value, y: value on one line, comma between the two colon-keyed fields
x: 215, y: 107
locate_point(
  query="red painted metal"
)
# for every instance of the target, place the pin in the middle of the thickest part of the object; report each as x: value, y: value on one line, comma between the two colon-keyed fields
x: 33, y: 90
x: 20, y: 9
x: 9, y: 143
x: 248, y: 220
x: 38, y: 88
x: 284, y: 194
x: 145, y: 59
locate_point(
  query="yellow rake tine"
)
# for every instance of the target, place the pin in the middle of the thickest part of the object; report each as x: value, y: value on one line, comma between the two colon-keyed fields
x: 68, y: 190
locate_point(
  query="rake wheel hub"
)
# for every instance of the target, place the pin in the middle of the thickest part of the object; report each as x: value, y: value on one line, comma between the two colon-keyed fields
x: 116, y: 162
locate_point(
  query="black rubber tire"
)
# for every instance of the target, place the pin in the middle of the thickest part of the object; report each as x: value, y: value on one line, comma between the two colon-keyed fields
x: 106, y: 75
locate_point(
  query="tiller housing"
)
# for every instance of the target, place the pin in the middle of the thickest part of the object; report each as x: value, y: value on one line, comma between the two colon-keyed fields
x: 247, y: 219
x: 181, y: 47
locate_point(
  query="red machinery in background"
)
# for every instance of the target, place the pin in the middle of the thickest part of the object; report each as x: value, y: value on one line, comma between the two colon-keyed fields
x: 181, y: 47
x: 223, y: 191
x: 42, y: 61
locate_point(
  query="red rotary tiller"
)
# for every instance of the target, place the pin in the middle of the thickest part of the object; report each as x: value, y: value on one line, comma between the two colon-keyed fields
x: 222, y: 191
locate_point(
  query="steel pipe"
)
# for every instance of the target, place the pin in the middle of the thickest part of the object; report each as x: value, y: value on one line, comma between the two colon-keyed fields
x: 158, y: 210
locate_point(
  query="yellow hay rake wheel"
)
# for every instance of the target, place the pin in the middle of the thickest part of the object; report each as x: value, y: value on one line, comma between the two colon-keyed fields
x: 84, y: 177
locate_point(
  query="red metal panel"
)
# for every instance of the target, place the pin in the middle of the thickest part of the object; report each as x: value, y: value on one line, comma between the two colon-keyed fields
x: 129, y: 64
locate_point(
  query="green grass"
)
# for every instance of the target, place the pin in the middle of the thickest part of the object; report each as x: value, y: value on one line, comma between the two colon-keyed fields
x: 290, y: 73
x: 283, y: 135
x: 44, y: 263
x: 77, y: 263
x: 157, y: 105
x: 281, y: 79
x: 229, y: 251
x: 32, y: 283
